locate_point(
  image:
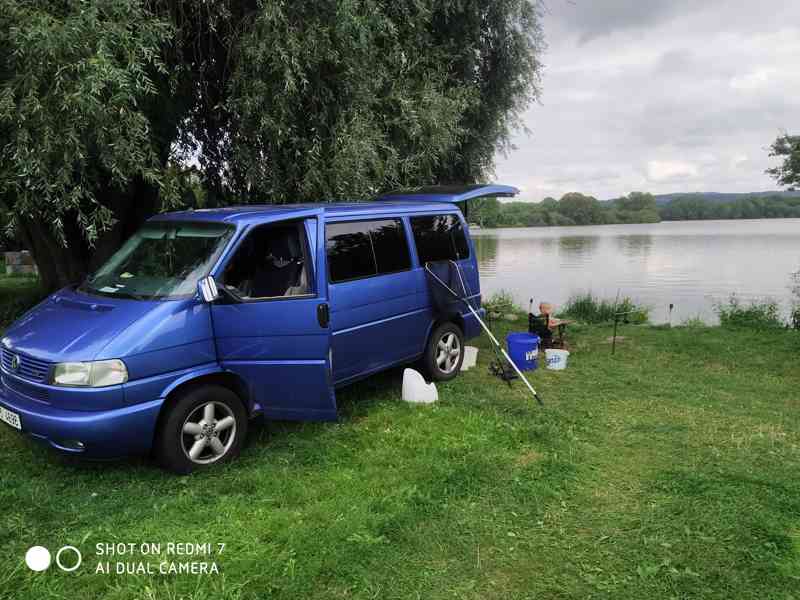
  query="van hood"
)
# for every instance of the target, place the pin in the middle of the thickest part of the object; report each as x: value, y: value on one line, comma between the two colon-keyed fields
x: 72, y: 326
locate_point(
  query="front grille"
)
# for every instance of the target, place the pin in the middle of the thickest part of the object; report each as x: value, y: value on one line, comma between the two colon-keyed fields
x: 26, y: 389
x: 28, y: 367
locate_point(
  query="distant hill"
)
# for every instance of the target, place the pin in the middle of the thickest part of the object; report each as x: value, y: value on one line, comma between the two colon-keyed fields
x: 720, y: 197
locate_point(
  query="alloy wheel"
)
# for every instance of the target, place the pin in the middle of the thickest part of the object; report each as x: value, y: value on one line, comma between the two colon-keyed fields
x: 448, y: 352
x: 208, y: 433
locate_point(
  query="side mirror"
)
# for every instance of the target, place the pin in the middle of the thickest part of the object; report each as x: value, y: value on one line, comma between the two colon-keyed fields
x: 207, y: 288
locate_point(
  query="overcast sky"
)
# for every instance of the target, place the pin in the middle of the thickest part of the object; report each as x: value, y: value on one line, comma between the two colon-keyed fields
x: 659, y: 96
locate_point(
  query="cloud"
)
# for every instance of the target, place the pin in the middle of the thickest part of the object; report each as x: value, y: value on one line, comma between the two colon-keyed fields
x: 670, y: 170
x: 660, y: 96
x: 590, y: 19
x: 738, y: 160
x: 754, y: 80
x: 575, y: 176
x: 675, y: 62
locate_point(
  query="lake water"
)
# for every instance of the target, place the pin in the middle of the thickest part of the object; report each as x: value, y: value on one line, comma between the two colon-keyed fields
x: 688, y: 263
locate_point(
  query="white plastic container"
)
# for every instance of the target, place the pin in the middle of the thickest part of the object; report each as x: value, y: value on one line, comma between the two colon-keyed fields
x: 416, y: 390
x: 556, y: 359
x: 470, y: 358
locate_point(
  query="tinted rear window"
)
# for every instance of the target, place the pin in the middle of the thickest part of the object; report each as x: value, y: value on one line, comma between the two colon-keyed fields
x: 366, y: 248
x: 390, y: 247
x: 439, y: 237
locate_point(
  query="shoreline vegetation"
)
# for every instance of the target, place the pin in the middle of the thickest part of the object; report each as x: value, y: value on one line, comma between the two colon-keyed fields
x: 637, y: 207
x: 587, y: 309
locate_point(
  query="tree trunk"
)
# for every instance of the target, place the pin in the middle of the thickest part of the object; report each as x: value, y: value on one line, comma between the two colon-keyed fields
x: 130, y: 210
x: 61, y: 266
x: 58, y: 266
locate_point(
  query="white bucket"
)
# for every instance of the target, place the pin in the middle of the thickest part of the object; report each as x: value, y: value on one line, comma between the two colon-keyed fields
x: 470, y: 358
x: 416, y: 390
x: 556, y: 359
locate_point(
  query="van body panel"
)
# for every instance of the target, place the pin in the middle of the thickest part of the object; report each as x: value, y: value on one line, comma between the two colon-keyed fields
x: 170, y: 360
x: 162, y: 385
x: 164, y: 327
x: 70, y: 326
x: 109, y: 433
x: 278, y: 346
x: 376, y: 322
x: 289, y: 389
x: 281, y: 351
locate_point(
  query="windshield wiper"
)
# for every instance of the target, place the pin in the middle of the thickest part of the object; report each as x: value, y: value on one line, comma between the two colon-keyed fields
x: 89, y: 289
x: 129, y: 295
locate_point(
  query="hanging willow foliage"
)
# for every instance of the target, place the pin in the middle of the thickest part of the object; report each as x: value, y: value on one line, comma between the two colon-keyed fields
x: 112, y: 110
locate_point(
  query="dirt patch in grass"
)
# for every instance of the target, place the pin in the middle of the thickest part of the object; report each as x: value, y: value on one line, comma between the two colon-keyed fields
x: 529, y: 457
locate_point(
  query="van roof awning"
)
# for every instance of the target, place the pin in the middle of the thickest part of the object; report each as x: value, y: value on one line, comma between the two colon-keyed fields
x: 451, y: 193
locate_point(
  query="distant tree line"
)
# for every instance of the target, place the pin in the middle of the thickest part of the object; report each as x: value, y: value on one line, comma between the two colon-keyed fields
x: 637, y: 207
x: 763, y: 207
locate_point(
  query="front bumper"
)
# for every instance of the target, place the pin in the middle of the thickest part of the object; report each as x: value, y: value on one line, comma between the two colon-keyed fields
x: 104, y: 434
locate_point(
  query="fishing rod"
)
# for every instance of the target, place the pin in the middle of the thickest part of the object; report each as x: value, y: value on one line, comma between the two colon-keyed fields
x: 483, y: 325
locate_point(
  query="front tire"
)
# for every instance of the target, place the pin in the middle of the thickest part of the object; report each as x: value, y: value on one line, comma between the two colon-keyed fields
x: 444, y: 353
x: 206, y: 425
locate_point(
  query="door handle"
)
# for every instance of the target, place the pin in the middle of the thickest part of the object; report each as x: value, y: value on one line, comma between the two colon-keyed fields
x: 323, y: 314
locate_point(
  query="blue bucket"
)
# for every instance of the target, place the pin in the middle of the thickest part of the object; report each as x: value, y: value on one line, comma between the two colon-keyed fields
x: 523, y: 348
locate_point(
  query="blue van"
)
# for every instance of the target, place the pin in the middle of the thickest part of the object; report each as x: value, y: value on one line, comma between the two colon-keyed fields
x: 206, y: 319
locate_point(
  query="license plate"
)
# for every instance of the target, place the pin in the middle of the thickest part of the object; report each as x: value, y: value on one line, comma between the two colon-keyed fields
x: 11, y: 418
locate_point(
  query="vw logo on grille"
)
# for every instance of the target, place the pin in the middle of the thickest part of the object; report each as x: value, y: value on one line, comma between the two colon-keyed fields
x: 15, y: 361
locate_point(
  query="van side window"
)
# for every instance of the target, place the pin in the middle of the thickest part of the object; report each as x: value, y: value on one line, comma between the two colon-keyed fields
x: 271, y: 262
x: 359, y: 249
x: 439, y: 237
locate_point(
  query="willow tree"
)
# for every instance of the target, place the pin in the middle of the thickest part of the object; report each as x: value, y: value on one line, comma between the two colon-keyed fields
x: 104, y: 104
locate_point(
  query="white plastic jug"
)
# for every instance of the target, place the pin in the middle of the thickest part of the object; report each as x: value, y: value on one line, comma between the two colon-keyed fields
x: 416, y: 390
x: 470, y: 358
x: 556, y: 359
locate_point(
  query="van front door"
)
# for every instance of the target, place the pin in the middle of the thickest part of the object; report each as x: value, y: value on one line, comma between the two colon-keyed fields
x: 272, y: 323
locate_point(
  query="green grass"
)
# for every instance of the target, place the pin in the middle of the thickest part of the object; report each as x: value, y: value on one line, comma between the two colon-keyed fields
x: 500, y: 302
x: 588, y: 308
x: 17, y: 294
x: 670, y: 470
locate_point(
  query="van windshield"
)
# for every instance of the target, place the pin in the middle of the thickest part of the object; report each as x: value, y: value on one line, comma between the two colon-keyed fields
x: 161, y: 260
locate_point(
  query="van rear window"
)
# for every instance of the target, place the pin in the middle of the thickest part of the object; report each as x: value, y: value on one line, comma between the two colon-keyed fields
x: 359, y: 249
x: 439, y: 237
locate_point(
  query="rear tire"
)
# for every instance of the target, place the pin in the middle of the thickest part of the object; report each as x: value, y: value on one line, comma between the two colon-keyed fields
x: 206, y: 425
x: 444, y: 353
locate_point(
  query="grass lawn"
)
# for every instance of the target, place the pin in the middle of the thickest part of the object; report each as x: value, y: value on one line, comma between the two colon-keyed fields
x: 671, y: 470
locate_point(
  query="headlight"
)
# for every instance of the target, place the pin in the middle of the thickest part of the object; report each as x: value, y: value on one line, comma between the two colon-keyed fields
x: 99, y: 373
